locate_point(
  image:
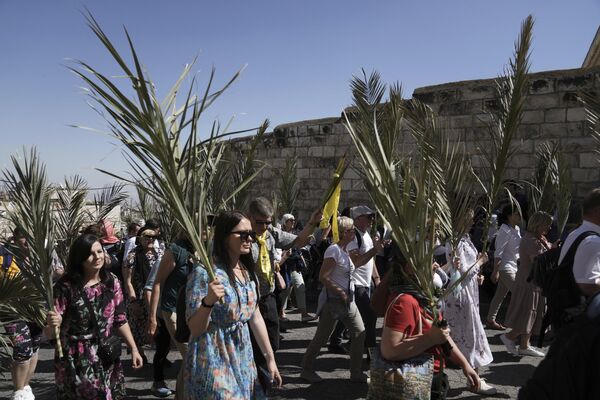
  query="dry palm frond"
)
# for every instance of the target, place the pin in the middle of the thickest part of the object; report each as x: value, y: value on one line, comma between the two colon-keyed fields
x: 591, y: 102
x: 31, y: 212
x: 70, y: 216
x: 511, y: 90
x: 108, y: 199
x: 338, y: 175
x: 550, y: 187
x: 289, y: 184
x: 163, y: 147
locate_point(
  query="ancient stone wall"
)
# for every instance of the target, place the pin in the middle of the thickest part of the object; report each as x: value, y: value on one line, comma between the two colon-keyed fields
x: 552, y: 112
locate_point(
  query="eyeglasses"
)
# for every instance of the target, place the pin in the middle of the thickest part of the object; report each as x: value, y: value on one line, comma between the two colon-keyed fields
x: 245, y: 235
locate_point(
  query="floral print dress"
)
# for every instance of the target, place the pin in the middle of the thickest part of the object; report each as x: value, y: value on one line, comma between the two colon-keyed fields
x: 219, y: 363
x: 80, y: 374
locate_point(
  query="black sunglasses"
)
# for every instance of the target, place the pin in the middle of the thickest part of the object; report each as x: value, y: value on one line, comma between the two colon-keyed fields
x: 244, y: 235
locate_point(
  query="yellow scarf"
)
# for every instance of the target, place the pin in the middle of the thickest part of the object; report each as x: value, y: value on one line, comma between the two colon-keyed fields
x: 264, y: 261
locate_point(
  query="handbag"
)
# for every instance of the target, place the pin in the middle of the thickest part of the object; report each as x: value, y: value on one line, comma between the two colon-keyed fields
x: 400, y: 380
x: 109, y: 348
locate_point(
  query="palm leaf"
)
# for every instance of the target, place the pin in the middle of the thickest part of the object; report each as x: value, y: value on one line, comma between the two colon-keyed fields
x: 511, y: 90
x: 32, y: 212
x: 69, y: 214
x: 289, y: 184
x: 163, y: 147
x: 109, y: 197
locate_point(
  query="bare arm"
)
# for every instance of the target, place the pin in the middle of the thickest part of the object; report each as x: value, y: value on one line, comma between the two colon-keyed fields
x: 198, y: 322
x: 324, y: 277
x: 127, y: 282
x: 396, y: 346
x: 167, y: 265
x: 303, y: 237
x: 259, y: 330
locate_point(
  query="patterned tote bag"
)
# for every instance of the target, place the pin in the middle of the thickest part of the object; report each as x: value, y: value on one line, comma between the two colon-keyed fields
x: 400, y: 380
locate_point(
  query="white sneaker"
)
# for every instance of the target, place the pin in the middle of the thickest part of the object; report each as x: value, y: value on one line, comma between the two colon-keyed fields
x: 531, y: 351
x: 22, y: 395
x: 511, y: 347
x: 28, y: 389
x: 486, y: 389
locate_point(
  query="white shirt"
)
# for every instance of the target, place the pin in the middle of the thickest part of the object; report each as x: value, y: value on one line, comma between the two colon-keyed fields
x: 586, y: 266
x: 362, y: 275
x: 129, y: 245
x: 341, y: 274
x: 508, y: 240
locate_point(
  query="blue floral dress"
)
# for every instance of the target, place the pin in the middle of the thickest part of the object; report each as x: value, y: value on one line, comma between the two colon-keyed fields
x: 220, y: 361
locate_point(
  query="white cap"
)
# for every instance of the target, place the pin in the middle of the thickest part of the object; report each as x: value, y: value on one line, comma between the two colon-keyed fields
x: 286, y: 217
x: 357, y: 211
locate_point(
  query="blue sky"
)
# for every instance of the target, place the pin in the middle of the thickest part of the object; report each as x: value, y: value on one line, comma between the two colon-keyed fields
x: 300, y: 56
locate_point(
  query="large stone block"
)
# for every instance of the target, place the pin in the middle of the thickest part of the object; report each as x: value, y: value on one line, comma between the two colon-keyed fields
x: 556, y: 130
x: 528, y: 131
x: 479, y: 92
x: 555, y: 115
x: 541, y: 86
x: 315, y: 151
x: 579, y: 82
x: 541, y: 101
x: 532, y: 117
x: 463, y: 121
x: 328, y: 151
x: 577, y: 144
x: 589, y: 160
x: 576, y: 114
x: 303, y: 173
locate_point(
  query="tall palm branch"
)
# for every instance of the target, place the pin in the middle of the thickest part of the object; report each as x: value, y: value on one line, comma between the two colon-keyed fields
x: 550, y: 186
x: 289, y: 184
x: 161, y: 142
x: 70, y: 215
x: 591, y: 102
x: 31, y: 212
x: 108, y: 198
x: 511, y: 92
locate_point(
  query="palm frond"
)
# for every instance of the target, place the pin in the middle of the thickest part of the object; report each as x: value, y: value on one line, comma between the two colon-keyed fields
x: 289, y: 184
x: 31, y: 212
x: 511, y: 91
x: 109, y: 197
x: 70, y: 216
x: 163, y: 147
x: 591, y: 102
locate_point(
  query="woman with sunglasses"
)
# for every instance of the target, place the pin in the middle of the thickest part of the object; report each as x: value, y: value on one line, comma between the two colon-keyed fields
x: 220, y: 361
x: 336, y: 302
x: 135, y: 274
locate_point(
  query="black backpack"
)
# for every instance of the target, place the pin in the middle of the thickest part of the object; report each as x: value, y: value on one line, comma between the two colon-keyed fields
x: 558, y: 284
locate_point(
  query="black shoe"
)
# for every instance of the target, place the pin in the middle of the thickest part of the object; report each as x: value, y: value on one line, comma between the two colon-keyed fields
x: 337, y: 349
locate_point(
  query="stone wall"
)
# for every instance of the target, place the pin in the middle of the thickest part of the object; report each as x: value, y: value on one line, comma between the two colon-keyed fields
x: 552, y: 112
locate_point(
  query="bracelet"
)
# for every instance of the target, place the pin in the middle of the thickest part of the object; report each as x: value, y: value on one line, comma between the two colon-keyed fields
x: 203, y: 303
x: 265, y: 354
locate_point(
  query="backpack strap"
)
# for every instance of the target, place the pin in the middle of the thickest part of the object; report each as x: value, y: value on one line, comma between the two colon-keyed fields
x: 359, y: 239
x: 390, y: 306
x: 570, y: 256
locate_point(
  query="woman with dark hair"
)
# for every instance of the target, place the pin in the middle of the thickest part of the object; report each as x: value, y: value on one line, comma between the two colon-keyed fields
x: 506, y: 257
x: 219, y: 361
x: 89, y: 308
x: 135, y: 274
x: 409, y: 331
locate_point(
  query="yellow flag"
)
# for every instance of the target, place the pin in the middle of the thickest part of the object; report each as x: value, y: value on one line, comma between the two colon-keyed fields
x: 331, y: 210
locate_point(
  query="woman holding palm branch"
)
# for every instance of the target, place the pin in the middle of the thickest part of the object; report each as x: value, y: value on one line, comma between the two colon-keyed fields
x: 89, y: 309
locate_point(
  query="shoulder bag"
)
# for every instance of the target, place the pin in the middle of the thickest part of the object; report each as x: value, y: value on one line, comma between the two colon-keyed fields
x: 109, y: 348
x: 401, y: 380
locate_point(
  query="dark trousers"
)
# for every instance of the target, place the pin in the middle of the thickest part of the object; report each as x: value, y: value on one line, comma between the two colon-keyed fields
x: 362, y: 298
x: 268, y: 309
x: 162, y: 341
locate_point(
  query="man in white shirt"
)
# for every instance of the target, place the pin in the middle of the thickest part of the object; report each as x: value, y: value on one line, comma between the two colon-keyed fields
x: 586, y: 265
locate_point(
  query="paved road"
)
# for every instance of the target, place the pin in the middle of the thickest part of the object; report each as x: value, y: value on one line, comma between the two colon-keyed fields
x: 507, y: 372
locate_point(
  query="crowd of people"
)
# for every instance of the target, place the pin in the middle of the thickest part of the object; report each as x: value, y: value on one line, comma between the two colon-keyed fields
x: 140, y: 291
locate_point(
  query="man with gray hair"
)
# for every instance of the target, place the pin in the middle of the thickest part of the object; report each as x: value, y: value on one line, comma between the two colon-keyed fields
x: 268, y: 238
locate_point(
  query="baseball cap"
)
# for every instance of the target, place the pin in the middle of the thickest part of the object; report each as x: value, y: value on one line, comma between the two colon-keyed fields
x: 361, y: 210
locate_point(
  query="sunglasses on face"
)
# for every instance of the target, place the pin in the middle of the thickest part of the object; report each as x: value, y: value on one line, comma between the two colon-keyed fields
x: 245, y: 235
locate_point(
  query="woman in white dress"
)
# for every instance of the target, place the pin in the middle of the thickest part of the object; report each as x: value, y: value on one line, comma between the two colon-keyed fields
x: 462, y: 304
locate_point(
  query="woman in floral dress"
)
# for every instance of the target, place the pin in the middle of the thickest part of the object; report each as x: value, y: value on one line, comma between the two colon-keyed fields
x: 80, y: 374
x: 135, y: 274
x: 219, y: 360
